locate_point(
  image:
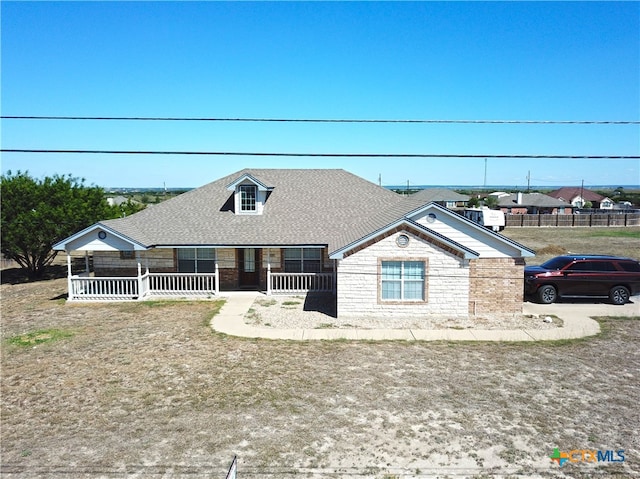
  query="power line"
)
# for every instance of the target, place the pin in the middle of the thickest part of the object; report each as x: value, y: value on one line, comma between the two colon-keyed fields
x: 317, y: 155
x: 322, y: 120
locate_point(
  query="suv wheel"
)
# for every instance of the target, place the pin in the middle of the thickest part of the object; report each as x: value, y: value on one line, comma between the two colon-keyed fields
x: 547, y: 294
x: 619, y: 295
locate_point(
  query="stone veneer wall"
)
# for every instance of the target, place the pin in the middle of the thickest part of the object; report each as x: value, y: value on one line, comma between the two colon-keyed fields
x: 496, y: 286
x: 447, y: 280
x: 108, y: 263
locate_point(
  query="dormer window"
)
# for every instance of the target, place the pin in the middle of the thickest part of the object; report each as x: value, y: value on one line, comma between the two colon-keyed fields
x: 248, y: 198
x: 250, y: 195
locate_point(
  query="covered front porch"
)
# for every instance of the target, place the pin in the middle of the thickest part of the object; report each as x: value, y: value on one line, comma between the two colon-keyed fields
x: 147, y: 285
x: 117, y: 268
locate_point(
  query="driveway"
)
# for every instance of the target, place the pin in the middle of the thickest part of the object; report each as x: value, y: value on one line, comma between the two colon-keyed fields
x: 584, y: 308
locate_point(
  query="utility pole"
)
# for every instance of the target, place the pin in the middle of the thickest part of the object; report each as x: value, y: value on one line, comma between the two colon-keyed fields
x: 379, y: 179
x: 582, y: 194
x: 529, y: 181
x: 484, y: 185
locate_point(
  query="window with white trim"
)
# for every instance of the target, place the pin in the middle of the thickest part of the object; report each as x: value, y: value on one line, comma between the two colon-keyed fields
x: 302, y: 260
x: 402, y: 280
x: 196, y: 260
x: 248, y: 194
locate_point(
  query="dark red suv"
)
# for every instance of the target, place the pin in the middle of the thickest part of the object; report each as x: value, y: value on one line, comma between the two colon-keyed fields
x: 583, y: 275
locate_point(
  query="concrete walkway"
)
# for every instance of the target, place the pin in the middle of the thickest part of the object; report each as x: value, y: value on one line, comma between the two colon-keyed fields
x: 576, y: 317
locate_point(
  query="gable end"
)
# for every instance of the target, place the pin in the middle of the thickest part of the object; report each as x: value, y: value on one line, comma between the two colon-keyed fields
x: 414, y: 232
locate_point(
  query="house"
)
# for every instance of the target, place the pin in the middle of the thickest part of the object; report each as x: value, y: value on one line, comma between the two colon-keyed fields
x: 579, y: 196
x: 443, y: 196
x: 299, y: 231
x: 531, y: 203
x: 120, y: 200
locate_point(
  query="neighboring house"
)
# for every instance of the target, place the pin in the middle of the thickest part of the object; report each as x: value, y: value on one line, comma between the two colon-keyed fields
x: 532, y: 204
x: 579, y: 196
x: 623, y: 205
x: 297, y: 231
x: 119, y: 200
x: 443, y: 196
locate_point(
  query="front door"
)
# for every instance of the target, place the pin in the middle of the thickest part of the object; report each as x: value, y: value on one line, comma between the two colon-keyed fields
x: 248, y: 265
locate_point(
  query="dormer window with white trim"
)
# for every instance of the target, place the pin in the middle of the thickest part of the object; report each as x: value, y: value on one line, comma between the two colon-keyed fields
x: 250, y: 195
x: 248, y: 198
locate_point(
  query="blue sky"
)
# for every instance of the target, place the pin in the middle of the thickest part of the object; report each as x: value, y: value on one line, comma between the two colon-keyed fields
x: 344, y: 60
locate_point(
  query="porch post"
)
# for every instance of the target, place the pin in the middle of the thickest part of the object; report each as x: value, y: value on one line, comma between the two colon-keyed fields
x: 269, y: 278
x: 86, y: 262
x: 141, y: 292
x: 334, y: 285
x: 69, y: 283
x: 217, y: 280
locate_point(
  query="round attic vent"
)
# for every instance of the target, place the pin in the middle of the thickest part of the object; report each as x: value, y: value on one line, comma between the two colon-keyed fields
x: 402, y: 241
x: 102, y: 235
x: 431, y: 217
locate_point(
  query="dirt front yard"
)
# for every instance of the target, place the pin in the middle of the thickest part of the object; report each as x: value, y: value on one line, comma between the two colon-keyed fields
x: 148, y: 390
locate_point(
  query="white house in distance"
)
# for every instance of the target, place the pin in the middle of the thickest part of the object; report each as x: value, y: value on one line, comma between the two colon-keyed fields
x: 299, y: 231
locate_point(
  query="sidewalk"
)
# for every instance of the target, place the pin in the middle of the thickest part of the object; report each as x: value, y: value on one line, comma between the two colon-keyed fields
x: 577, y: 323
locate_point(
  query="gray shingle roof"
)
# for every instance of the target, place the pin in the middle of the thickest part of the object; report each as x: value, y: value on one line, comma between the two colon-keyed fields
x: 305, y: 207
x: 531, y: 199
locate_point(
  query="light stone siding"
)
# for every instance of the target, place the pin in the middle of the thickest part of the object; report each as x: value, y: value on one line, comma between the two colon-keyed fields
x: 447, y: 280
x: 108, y: 263
x: 226, y: 258
x: 273, y: 257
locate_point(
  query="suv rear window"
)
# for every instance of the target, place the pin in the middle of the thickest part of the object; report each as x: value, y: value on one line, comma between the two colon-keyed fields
x: 629, y: 266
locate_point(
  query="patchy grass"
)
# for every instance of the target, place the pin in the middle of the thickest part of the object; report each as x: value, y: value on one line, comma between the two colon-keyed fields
x: 550, y: 242
x: 39, y: 337
x: 552, y: 249
x: 616, y: 233
x: 266, y: 302
x: 253, y: 317
x: 325, y: 326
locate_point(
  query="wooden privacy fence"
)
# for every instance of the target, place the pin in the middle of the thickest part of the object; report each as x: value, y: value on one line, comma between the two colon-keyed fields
x: 596, y: 219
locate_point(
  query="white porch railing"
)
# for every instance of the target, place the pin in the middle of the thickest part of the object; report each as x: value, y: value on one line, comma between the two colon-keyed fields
x: 181, y: 284
x: 143, y: 286
x: 286, y: 283
x: 103, y: 289
x: 130, y: 288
